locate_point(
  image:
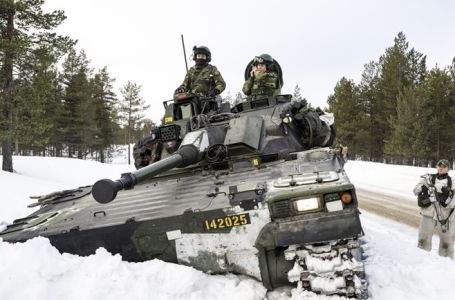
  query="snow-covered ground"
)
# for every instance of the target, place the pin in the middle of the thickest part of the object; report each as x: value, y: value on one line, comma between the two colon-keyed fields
x: 396, y: 269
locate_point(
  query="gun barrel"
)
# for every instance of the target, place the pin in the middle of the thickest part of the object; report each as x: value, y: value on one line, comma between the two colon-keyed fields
x: 105, y: 190
x: 158, y: 167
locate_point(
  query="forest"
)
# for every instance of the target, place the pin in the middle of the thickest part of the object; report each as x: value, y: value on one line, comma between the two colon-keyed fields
x: 401, y: 112
x: 52, y: 103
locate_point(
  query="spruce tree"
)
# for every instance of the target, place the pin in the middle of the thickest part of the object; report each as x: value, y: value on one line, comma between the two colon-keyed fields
x: 36, y: 99
x: 78, y: 117
x: 104, y: 102
x: 439, y: 103
x: 401, y: 144
x: 350, y: 117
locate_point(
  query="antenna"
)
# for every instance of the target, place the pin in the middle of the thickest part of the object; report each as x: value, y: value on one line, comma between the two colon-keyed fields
x: 184, y: 52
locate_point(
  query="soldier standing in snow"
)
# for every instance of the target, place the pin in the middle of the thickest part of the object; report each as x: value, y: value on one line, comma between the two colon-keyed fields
x: 437, y: 204
x: 202, y: 79
x: 262, y: 81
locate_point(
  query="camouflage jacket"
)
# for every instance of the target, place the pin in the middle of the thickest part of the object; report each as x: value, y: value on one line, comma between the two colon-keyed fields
x: 262, y: 84
x: 202, y: 80
x: 430, y: 211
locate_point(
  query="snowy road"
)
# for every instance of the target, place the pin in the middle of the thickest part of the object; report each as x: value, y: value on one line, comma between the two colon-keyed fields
x: 391, y: 207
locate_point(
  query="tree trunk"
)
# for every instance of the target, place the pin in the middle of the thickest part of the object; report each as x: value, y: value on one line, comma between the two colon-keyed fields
x: 7, y: 93
x: 102, y: 159
x: 129, y: 147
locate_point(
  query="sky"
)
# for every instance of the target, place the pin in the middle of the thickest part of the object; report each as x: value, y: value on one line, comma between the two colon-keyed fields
x: 395, y: 267
x: 315, y: 42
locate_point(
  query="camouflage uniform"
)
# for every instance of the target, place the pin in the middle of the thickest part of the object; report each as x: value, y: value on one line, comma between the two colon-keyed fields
x: 429, y: 221
x: 262, y: 84
x: 203, y: 81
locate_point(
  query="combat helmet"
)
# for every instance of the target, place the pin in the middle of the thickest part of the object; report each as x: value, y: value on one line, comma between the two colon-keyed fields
x: 271, y: 63
x: 263, y: 59
x: 204, y: 50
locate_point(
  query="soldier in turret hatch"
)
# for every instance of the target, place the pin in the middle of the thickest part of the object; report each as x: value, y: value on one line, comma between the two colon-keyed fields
x: 202, y: 79
x: 263, y: 81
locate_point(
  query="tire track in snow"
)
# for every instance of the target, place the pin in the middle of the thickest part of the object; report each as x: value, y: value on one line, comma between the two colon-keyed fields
x: 391, y: 207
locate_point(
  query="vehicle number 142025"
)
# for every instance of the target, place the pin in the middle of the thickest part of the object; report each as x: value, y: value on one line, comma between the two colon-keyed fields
x: 227, y: 222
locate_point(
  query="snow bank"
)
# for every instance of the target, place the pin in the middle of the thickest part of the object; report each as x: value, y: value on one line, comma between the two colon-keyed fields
x: 36, y: 270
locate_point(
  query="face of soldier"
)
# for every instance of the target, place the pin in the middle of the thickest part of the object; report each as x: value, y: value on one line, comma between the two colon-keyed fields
x: 201, y: 59
x: 201, y: 56
x: 442, y: 169
x: 259, y: 68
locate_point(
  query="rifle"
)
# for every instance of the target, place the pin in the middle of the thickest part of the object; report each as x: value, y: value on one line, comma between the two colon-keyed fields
x: 437, y: 206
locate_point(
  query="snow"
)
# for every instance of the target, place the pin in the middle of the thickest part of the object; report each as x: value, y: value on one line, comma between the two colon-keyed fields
x: 395, y: 267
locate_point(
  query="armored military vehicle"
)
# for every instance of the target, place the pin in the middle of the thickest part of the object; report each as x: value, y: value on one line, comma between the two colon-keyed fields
x: 254, y: 189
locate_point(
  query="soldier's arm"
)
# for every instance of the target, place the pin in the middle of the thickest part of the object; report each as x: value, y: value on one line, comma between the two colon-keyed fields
x: 220, y: 85
x: 247, y: 86
x: 418, y: 187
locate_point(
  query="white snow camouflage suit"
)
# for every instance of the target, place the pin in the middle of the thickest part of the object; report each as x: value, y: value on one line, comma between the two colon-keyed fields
x: 429, y: 220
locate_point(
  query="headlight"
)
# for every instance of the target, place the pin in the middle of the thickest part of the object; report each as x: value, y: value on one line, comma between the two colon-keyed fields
x: 307, y: 204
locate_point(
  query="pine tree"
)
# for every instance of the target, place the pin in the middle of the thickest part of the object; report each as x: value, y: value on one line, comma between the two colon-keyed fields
x: 131, y: 108
x: 24, y: 27
x: 297, y: 95
x: 397, y: 70
x: 368, y: 97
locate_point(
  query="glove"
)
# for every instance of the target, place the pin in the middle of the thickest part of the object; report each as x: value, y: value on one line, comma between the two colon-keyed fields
x: 214, y: 92
x: 179, y: 90
x: 425, y: 190
x: 423, y: 197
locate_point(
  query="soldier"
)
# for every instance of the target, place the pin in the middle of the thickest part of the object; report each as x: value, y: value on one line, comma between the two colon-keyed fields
x: 203, y: 79
x: 263, y: 81
x: 435, y: 197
